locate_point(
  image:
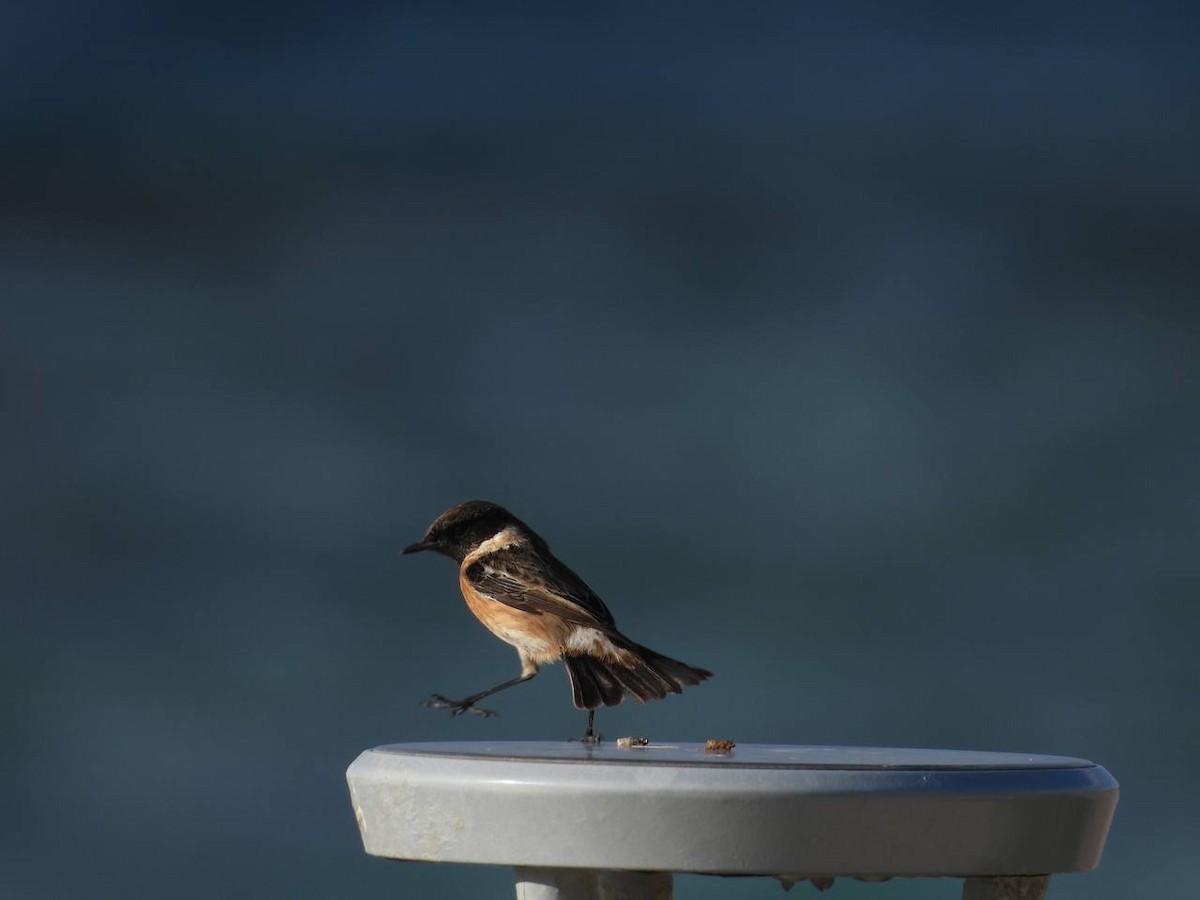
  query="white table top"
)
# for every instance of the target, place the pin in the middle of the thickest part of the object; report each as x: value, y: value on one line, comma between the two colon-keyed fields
x: 758, y: 809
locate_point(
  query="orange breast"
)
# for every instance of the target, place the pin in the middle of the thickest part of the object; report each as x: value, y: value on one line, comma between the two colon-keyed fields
x: 538, y: 637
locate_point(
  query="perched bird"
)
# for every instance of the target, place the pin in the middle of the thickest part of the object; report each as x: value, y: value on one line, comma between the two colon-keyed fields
x: 526, y: 597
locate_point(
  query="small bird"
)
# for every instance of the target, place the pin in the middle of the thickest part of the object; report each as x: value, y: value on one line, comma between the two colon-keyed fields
x: 526, y: 597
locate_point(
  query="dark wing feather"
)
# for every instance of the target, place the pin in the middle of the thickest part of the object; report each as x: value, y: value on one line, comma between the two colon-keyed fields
x: 537, y: 582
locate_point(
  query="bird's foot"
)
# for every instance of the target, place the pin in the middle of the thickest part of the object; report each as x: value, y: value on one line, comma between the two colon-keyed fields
x: 457, y: 707
x: 590, y: 738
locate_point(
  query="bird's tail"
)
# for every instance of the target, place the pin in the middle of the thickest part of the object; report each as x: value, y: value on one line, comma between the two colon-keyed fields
x: 637, y: 671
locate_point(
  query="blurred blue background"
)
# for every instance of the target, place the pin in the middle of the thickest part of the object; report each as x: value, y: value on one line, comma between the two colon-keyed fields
x: 849, y: 353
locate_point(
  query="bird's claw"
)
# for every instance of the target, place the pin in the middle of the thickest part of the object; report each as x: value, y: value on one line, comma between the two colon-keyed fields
x: 457, y: 707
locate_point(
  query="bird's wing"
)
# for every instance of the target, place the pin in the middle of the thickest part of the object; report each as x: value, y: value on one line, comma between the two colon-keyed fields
x: 538, y: 583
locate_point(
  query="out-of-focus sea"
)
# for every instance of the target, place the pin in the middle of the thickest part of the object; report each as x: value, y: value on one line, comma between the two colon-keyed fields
x: 851, y: 355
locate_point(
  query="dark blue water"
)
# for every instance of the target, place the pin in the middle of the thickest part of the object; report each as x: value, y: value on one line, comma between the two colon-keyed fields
x: 851, y: 355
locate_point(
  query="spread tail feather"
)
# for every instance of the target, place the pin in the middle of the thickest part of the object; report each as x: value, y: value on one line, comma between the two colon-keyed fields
x: 644, y: 675
x: 672, y: 669
x: 592, y: 683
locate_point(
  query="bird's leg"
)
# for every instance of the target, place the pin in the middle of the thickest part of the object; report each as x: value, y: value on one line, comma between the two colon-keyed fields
x: 590, y: 737
x: 458, y: 707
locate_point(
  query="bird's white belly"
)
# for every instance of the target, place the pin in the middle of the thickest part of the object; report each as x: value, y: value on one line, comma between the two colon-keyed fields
x: 530, y: 644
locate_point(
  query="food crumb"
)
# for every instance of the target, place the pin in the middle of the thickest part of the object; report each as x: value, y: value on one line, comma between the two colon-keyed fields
x: 624, y: 742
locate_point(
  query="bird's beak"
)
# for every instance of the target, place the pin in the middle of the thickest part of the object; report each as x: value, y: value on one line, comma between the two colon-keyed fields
x: 418, y: 547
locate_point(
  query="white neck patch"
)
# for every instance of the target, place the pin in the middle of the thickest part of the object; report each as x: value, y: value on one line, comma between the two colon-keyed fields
x: 505, y: 537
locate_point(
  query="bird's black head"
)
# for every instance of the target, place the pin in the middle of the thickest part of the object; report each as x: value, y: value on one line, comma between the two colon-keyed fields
x: 462, y: 528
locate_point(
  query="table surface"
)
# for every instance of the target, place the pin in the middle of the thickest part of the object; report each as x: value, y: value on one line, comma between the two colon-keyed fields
x: 772, y: 756
x: 756, y: 809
